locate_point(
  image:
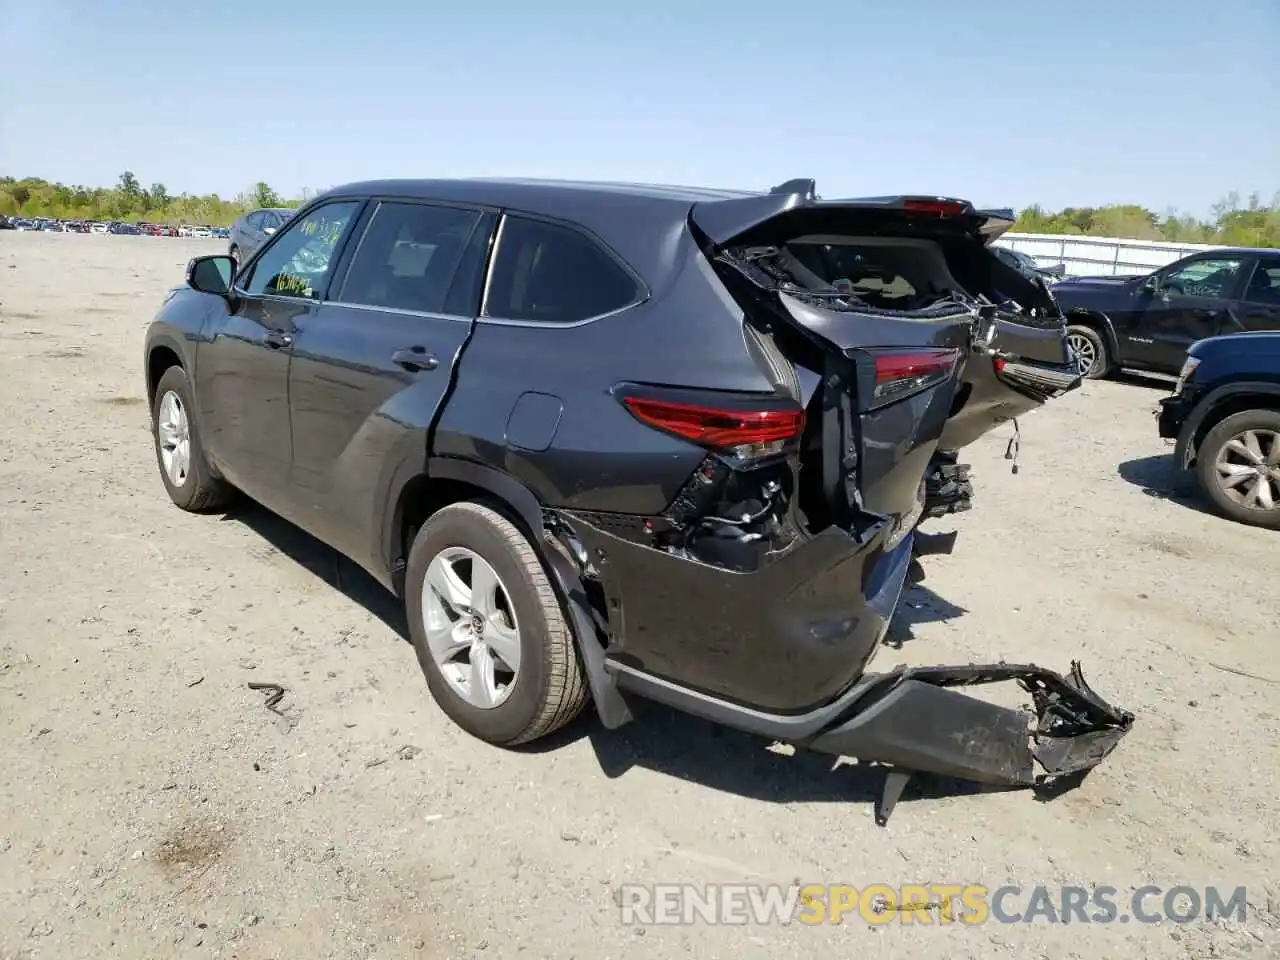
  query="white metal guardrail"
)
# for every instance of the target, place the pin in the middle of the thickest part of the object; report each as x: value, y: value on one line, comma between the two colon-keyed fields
x: 1109, y: 256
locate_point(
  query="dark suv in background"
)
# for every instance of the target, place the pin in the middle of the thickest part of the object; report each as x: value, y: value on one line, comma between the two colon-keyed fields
x: 1225, y: 417
x: 618, y: 440
x: 254, y: 228
x: 1148, y: 322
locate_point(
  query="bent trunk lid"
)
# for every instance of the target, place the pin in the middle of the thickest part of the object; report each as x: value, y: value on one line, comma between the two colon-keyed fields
x: 798, y: 264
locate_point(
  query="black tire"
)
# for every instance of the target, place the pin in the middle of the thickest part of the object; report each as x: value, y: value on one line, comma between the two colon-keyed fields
x: 1207, y: 454
x: 550, y: 687
x: 1101, y: 365
x: 200, y: 489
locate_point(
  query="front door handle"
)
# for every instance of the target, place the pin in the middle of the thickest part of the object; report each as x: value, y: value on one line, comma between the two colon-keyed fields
x: 414, y: 359
x: 277, y: 339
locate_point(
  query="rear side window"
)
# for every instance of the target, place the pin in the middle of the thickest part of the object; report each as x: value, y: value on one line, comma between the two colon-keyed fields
x: 549, y: 273
x: 408, y: 256
x: 1264, y: 285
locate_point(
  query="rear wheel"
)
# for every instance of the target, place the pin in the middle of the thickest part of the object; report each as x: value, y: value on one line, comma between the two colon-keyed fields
x: 488, y: 629
x: 187, y: 476
x: 1238, y: 465
x: 1088, y: 351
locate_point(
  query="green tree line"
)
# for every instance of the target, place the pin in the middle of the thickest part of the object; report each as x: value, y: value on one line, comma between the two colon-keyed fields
x: 129, y: 201
x: 1232, y: 222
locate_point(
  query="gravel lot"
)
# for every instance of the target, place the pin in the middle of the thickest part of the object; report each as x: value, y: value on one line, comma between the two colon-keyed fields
x: 151, y: 807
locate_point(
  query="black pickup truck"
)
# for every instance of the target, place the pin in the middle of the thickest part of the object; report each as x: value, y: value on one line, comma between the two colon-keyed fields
x: 1148, y: 322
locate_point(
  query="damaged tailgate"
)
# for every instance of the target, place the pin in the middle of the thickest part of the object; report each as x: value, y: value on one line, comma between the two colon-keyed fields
x: 852, y: 274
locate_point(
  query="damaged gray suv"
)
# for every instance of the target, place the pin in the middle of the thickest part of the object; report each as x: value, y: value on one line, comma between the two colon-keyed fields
x: 611, y: 441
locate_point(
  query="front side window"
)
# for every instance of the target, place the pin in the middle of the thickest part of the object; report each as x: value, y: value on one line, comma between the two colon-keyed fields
x: 549, y: 273
x: 408, y: 255
x: 299, y: 262
x: 1214, y: 277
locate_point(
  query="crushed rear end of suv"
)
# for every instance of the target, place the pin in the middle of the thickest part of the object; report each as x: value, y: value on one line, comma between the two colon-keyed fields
x: 613, y: 441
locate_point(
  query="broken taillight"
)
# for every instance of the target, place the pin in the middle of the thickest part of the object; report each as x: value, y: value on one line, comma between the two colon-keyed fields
x: 904, y: 372
x: 737, y: 429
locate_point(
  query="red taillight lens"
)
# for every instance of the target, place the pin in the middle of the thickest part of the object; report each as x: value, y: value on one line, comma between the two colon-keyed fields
x: 934, y: 208
x: 901, y: 373
x: 744, y: 433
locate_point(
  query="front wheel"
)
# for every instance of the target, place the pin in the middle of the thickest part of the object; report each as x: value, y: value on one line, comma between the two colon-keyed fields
x: 188, y: 478
x: 488, y: 629
x: 1238, y: 466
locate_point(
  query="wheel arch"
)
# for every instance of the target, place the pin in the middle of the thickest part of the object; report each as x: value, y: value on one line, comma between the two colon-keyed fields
x: 1096, y: 320
x: 1224, y: 402
x: 450, y: 480
x: 162, y: 353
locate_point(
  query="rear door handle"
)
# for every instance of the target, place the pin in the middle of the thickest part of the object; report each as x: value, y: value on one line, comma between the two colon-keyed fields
x: 414, y: 359
x: 277, y: 339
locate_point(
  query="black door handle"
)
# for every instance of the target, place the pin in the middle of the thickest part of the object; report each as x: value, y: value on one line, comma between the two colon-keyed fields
x: 414, y: 359
x: 277, y: 339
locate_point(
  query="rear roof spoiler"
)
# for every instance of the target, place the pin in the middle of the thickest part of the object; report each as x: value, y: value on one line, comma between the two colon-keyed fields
x: 722, y: 220
x: 999, y: 222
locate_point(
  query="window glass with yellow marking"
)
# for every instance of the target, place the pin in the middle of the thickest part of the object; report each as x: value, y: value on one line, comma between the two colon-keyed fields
x: 298, y: 263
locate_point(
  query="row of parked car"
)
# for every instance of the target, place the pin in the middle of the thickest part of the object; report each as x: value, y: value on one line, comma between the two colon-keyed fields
x: 120, y: 227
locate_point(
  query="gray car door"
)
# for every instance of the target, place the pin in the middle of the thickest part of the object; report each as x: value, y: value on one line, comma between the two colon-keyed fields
x: 243, y: 364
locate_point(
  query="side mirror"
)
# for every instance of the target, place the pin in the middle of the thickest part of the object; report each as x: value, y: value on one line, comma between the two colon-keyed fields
x: 1151, y: 284
x: 212, y: 274
x: 268, y: 230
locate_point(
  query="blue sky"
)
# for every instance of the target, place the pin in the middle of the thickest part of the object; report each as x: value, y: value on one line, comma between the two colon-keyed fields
x: 1169, y: 103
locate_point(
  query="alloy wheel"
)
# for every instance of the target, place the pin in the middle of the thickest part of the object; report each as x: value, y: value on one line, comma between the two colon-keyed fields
x: 1082, y: 353
x: 471, y: 627
x: 1248, y: 469
x: 173, y: 431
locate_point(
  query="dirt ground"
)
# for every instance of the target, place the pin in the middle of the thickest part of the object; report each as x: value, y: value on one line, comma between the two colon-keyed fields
x: 150, y: 806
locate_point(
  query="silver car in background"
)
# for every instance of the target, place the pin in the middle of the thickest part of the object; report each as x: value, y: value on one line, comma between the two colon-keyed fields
x: 253, y: 229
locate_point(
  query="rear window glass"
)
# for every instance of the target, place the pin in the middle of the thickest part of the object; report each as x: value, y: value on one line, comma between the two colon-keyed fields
x: 550, y: 273
x: 893, y: 275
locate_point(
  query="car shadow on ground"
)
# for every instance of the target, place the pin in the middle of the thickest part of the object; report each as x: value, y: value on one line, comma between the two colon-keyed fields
x: 1157, y: 477
x: 1140, y: 378
x: 664, y: 740
x: 321, y: 561
x: 919, y: 605
x: 661, y: 739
